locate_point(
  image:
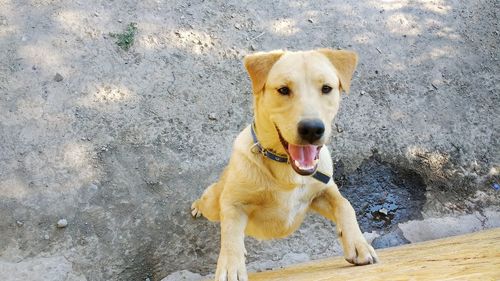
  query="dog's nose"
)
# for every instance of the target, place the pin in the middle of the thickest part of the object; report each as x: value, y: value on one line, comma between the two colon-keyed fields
x: 311, y: 130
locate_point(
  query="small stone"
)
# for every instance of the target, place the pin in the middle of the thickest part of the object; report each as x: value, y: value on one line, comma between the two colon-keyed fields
x: 46, y: 237
x: 58, y: 77
x: 252, y: 47
x: 24, y: 38
x: 119, y: 20
x: 237, y: 26
x: 339, y: 128
x: 383, y: 211
x: 19, y: 223
x: 62, y: 223
x: 96, y: 14
x: 212, y: 116
x: 310, y: 20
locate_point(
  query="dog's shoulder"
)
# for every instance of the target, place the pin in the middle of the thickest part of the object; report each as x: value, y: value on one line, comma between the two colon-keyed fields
x: 325, y: 164
x: 243, y: 141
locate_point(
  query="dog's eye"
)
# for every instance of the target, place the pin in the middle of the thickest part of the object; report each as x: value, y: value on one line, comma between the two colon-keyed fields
x: 326, y: 89
x: 284, y: 91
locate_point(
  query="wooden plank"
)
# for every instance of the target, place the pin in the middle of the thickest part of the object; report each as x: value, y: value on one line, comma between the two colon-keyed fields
x: 473, y: 256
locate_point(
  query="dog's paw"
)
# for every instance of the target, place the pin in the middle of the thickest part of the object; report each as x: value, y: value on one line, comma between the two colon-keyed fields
x: 195, y: 210
x: 231, y: 267
x: 359, y: 252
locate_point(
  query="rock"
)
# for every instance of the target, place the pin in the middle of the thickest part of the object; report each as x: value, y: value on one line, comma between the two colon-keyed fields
x: 383, y: 211
x: 19, y: 223
x: 183, y: 275
x: 62, y: 223
x: 294, y: 258
x: 58, y: 77
x: 435, y: 228
x: 212, y: 116
x: 93, y: 187
x: 56, y: 268
x: 339, y: 128
x: 391, y: 239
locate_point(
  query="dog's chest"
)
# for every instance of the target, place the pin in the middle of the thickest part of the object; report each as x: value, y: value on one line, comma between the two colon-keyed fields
x: 295, y: 203
x: 283, y: 214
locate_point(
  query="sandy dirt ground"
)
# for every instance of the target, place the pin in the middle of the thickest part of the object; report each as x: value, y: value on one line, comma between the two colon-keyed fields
x: 119, y: 142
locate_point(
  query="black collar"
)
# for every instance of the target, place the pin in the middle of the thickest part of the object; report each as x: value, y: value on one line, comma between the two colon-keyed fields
x: 257, y: 148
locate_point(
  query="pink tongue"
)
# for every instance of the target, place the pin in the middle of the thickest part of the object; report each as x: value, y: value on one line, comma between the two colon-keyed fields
x: 304, y: 154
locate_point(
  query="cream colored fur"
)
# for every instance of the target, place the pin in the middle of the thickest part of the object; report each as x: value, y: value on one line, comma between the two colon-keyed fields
x: 266, y: 199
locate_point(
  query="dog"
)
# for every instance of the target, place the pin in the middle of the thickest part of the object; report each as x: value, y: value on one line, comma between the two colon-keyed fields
x: 280, y: 167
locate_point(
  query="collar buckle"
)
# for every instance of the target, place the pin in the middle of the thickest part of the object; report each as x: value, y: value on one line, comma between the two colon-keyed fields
x: 255, y: 149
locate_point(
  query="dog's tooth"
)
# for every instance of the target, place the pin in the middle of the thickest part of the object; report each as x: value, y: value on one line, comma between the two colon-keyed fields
x: 297, y: 164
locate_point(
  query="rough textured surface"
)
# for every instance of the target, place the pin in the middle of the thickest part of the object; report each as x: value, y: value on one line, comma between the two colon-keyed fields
x: 55, y: 268
x: 184, y: 275
x: 435, y: 228
x: 119, y: 143
x: 465, y: 257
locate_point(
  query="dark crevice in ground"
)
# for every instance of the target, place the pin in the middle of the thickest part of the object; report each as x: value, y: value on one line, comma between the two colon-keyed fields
x: 382, y: 195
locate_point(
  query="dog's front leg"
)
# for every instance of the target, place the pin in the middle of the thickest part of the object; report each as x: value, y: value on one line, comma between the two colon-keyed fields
x: 332, y: 205
x: 231, y: 264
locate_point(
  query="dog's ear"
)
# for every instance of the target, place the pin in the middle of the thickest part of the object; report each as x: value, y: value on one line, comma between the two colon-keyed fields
x: 258, y: 66
x: 345, y: 64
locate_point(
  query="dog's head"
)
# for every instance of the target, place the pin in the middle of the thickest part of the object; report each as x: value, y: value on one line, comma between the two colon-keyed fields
x: 299, y: 92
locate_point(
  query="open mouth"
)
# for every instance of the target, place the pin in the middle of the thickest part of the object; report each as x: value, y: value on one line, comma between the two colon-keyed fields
x: 303, y: 158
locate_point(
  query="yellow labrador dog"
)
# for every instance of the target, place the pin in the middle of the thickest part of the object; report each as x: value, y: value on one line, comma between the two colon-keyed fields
x: 280, y: 167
